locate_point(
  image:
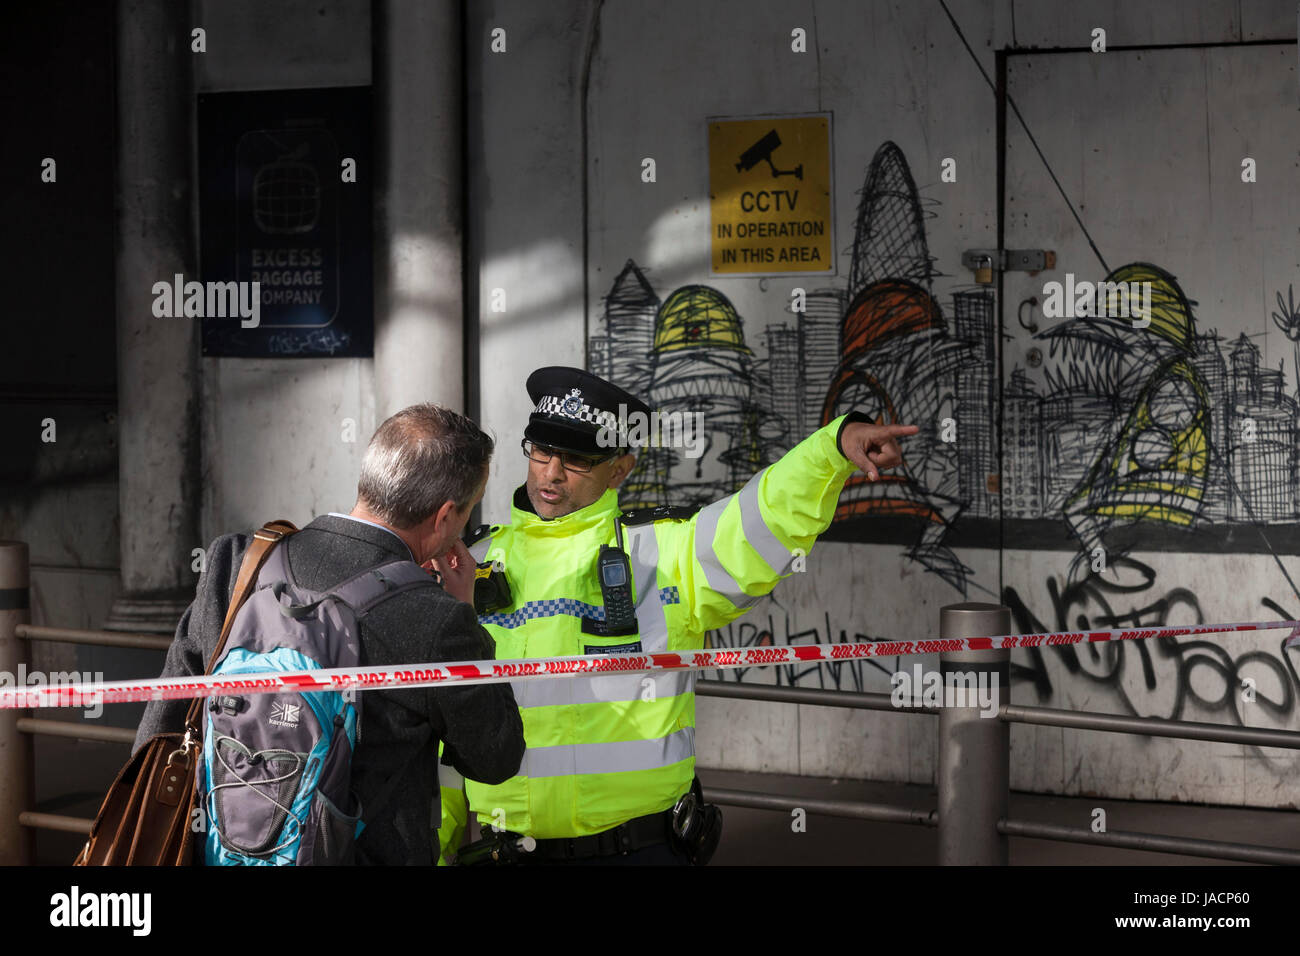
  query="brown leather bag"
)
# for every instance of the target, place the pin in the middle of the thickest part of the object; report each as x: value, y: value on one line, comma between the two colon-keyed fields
x: 146, y: 819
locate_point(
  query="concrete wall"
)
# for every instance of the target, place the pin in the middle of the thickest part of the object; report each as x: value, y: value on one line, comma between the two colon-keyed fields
x: 525, y: 225
x: 894, y: 72
x: 60, y: 495
x: 558, y: 126
x: 273, y: 431
x: 272, y: 441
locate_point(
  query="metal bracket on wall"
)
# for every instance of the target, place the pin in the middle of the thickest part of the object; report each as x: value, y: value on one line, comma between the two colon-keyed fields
x: 1009, y: 260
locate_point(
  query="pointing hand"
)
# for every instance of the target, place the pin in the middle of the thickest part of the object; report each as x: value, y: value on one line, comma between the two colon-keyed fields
x: 874, y: 448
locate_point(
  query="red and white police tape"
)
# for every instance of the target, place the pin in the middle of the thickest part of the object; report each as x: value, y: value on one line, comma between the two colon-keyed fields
x: 489, y: 672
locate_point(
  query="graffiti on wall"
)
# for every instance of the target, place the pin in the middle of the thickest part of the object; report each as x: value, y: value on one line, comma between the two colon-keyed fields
x: 1161, y: 435
x: 1175, y: 672
x: 1255, y: 683
x: 881, y: 346
x: 752, y: 630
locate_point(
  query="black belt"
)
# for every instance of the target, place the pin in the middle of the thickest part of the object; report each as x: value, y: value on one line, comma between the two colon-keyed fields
x: 636, y: 834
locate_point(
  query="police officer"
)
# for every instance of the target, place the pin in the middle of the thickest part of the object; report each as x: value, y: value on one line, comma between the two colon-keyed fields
x: 609, y: 773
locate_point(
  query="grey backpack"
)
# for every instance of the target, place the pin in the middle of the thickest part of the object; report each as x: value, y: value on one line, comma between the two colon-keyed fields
x: 275, y: 779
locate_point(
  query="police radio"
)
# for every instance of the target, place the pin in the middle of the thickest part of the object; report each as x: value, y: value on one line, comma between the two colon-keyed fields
x: 616, y: 587
x: 614, y: 572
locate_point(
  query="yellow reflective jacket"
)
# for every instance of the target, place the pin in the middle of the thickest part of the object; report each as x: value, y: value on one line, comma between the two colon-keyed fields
x: 604, y: 750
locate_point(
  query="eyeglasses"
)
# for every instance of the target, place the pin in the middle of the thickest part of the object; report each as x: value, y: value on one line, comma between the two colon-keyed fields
x: 571, y: 461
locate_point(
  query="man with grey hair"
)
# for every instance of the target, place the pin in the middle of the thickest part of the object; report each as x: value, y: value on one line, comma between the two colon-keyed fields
x: 423, y: 472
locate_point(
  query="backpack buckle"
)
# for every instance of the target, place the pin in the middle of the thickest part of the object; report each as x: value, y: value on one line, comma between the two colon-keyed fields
x: 230, y: 706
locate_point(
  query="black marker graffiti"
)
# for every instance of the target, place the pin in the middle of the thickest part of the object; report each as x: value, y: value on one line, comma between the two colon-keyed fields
x: 849, y: 675
x: 1143, y: 430
x: 1133, y: 670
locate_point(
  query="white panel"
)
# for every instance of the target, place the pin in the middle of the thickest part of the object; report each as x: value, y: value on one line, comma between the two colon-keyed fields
x: 276, y: 439
x: 747, y: 735
x: 1149, y: 146
x: 862, y: 744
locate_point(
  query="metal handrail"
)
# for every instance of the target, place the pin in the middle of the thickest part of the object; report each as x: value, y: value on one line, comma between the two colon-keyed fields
x: 1045, y: 716
x: 72, y: 635
x: 55, y: 821
x: 1155, y: 842
x: 879, y: 812
x: 953, y: 786
x: 79, y: 731
x: 804, y: 695
x: 1151, y: 726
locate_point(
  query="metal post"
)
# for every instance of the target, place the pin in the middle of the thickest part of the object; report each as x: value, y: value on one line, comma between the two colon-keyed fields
x: 974, y: 750
x: 17, y: 794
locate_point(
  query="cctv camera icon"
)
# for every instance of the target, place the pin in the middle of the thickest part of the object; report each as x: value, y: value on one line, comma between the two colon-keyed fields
x: 762, y: 151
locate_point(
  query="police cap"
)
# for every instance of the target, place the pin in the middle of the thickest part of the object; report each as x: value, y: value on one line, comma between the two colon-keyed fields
x: 579, y: 412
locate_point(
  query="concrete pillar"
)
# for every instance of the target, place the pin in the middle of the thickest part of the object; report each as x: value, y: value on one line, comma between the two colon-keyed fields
x: 157, y: 358
x: 17, y: 794
x: 974, y: 750
x: 419, y: 298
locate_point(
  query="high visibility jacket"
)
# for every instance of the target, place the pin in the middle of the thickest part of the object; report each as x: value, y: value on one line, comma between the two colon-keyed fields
x: 604, y: 750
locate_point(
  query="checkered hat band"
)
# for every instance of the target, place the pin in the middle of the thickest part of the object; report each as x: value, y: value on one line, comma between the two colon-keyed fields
x: 554, y: 405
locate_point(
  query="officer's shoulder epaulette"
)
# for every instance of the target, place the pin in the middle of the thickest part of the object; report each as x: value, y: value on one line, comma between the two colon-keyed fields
x: 646, y: 515
x: 479, y: 533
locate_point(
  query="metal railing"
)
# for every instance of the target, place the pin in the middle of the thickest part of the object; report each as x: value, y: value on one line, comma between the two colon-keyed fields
x: 974, y: 761
x: 974, y: 752
x: 17, y: 729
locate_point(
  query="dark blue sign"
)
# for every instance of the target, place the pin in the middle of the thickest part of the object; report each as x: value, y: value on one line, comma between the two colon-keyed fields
x: 285, y: 203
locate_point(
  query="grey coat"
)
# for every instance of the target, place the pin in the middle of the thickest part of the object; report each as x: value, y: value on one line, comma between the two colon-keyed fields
x: 480, y: 725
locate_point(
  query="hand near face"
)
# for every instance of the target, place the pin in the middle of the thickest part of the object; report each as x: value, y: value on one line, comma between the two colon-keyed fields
x: 457, y: 569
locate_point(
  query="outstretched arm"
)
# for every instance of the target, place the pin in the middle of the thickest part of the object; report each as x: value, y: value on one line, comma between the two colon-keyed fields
x: 734, y: 551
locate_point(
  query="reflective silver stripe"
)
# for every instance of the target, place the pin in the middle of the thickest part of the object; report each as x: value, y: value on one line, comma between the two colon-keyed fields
x: 601, y: 690
x: 542, y: 693
x: 760, y: 537
x: 569, y: 759
x: 643, y: 552
x: 480, y: 548
x: 719, y: 578
x: 449, y: 778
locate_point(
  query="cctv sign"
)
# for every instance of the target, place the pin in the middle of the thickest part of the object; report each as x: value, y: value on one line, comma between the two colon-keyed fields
x: 770, y: 195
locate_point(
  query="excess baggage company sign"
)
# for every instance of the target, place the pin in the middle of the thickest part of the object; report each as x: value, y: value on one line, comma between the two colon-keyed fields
x: 770, y: 195
x: 286, y: 207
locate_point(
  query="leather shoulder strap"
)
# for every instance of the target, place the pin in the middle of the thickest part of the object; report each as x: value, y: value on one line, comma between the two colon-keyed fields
x: 266, y: 538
